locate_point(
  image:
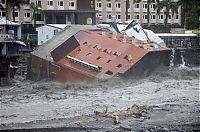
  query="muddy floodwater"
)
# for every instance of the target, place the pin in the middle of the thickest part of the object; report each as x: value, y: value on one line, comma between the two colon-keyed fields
x: 171, y: 98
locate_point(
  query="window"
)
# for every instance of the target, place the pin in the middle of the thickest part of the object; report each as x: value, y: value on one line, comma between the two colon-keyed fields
x: 118, y: 5
x: 144, y: 16
x: 108, y: 16
x: 160, y: 16
x: 72, y: 3
x: 137, y: 5
x: 79, y: 50
x: 128, y: 58
x: 137, y: 17
x: 89, y: 54
x: 50, y: 3
x: 55, y: 31
x: 99, y: 4
x: 38, y: 2
x: 120, y: 65
x: 27, y: 14
x: 99, y: 58
x: 170, y: 17
x: 117, y: 53
x: 145, y: 6
x: 109, y: 72
x: 153, y: 6
x: 118, y: 16
x: 108, y: 5
x: 3, y: 13
x: 108, y: 61
x: 176, y: 16
x: 153, y: 16
x: 15, y: 14
x: 99, y: 15
x: 60, y: 3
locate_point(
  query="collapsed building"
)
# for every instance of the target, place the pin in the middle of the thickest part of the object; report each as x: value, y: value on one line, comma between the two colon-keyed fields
x: 85, y: 53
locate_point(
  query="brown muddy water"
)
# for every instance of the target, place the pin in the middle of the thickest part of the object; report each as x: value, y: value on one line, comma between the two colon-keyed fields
x: 171, y: 97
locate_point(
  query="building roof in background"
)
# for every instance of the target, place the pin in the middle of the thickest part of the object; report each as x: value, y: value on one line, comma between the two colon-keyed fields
x: 44, y: 50
x: 3, y: 21
x: 176, y: 34
x: 59, y: 26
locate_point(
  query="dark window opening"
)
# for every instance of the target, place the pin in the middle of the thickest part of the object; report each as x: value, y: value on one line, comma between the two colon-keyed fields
x: 108, y: 61
x: 95, y: 46
x: 109, y: 72
x: 89, y: 54
x: 79, y: 50
x: 120, y: 65
x: 117, y: 53
x: 128, y: 58
x: 106, y: 51
x: 85, y: 43
x: 99, y: 58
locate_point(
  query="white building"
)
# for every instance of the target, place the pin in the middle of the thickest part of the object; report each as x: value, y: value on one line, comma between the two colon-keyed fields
x: 46, y: 32
x: 107, y: 9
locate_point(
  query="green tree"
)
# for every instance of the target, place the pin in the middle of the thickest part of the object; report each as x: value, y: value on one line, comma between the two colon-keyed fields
x: 149, y: 2
x: 167, y: 5
x: 11, y: 4
x: 190, y: 13
x: 36, y: 9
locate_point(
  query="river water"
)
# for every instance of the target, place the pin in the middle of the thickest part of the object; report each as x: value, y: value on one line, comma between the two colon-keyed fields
x: 173, y: 96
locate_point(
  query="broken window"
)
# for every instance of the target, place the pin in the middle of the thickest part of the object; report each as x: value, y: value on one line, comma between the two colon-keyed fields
x: 109, y: 72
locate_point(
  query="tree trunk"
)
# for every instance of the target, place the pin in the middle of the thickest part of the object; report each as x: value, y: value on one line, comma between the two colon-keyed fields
x: 185, y: 22
x: 8, y: 11
x: 13, y: 13
x: 166, y: 18
x: 127, y: 6
x: 148, y: 12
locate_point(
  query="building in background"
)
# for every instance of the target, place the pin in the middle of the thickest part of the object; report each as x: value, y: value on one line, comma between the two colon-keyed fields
x: 46, y: 32
x: 109, y: 9
x: 52, y: 12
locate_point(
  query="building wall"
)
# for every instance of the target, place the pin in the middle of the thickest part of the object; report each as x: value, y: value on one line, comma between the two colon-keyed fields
x: 45, y: 33
x: 137, y: 11
x: 25, y: 14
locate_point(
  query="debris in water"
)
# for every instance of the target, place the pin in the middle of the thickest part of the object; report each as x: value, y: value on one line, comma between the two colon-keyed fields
x: 134, y: 111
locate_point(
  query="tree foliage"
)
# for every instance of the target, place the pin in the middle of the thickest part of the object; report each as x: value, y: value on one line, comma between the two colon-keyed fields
x: 190, y: 13
x: 36, y: 9
x: 11, y: 4
x: 167, y: 6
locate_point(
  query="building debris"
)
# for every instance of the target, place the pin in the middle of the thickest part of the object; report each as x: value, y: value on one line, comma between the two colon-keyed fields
x: 133, y: 111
